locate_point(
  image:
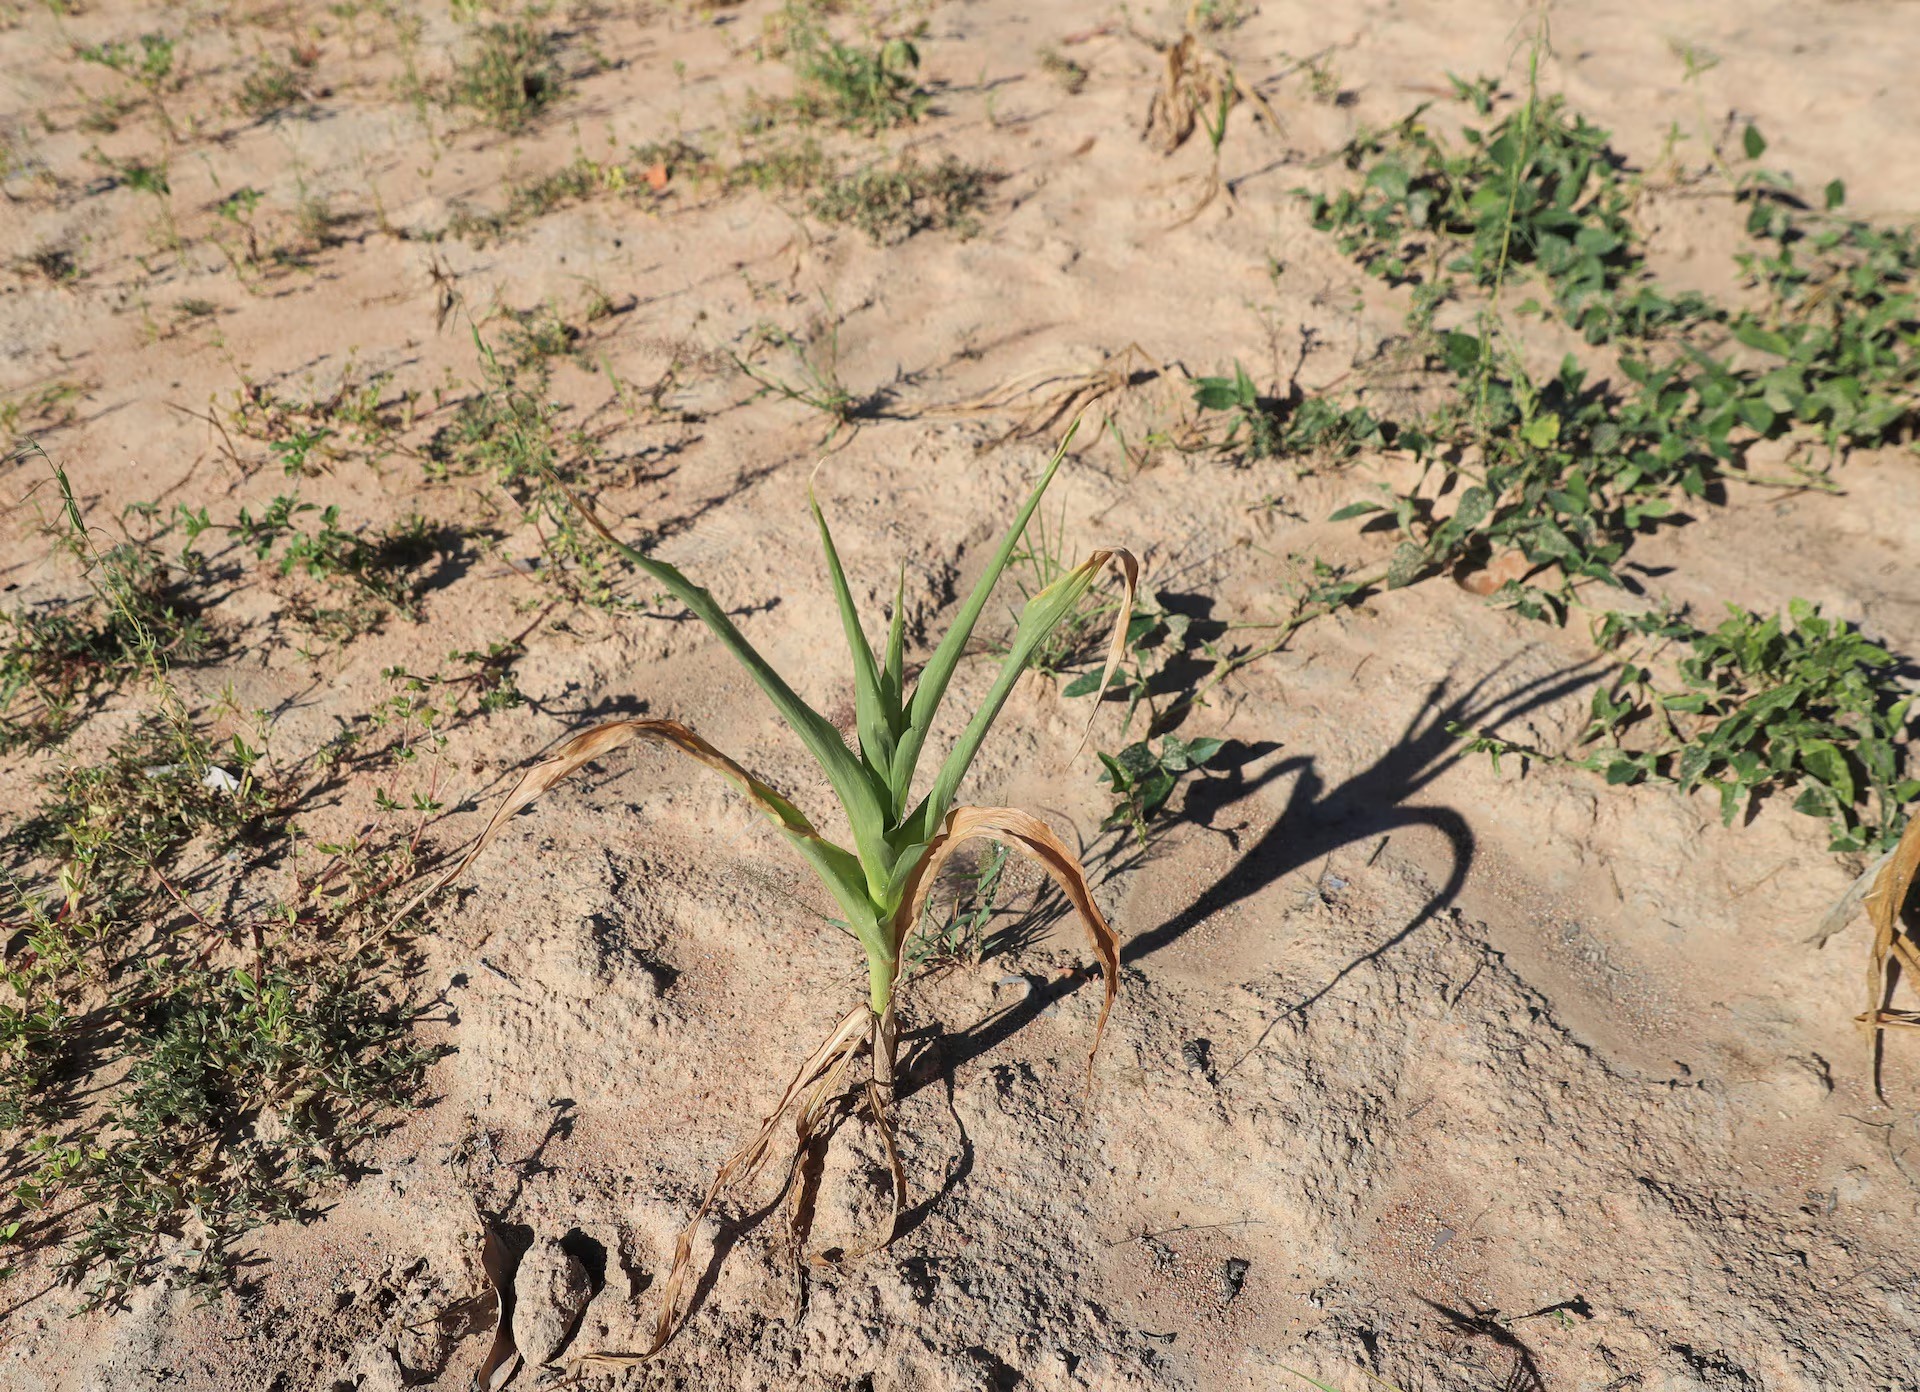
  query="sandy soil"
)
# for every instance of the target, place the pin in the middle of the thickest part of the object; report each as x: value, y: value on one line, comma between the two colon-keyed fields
x: 1402, y: 1036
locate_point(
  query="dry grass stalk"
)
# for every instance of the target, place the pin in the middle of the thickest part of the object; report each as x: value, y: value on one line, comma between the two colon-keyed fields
x: 1039, y: 400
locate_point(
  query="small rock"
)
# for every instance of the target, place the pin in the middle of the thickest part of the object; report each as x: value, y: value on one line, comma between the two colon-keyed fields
x: 1233, y: 1275
x: 1197, y: 1054
x: 549, y: 1292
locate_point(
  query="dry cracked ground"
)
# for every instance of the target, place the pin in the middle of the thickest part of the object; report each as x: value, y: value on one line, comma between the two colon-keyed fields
x: 1422, y: 1074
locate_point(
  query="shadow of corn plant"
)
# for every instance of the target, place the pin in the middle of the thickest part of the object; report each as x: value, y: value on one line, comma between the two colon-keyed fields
x: 882, y: 883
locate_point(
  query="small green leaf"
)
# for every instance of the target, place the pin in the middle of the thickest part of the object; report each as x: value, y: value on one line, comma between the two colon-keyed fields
x: 1475, y: 506
x: 1199, y: 752
x: 1766, y: 340
x: 1541, y: 431
x: 1215, y: 394
x: 1352, y: 510
x: 1408, y: 562
x: 1825, y: 762
x: 1753, y: 142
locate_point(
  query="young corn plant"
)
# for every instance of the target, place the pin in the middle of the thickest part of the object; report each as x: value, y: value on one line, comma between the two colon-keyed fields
x: 900, y: 842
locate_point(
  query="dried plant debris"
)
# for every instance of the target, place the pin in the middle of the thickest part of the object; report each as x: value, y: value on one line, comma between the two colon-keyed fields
x: 1894, y: 946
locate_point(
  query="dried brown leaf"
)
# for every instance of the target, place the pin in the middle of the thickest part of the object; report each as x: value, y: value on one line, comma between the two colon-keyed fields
x: 807, y: 1121
x: 503, y: 1357
x: 829, y: 1058
x: 1848, y: 905
x: 596, y: 743
x: 1035, y: 839
x: 1176, y: 102
x: 1883, y: 903
x: 1129, y: 566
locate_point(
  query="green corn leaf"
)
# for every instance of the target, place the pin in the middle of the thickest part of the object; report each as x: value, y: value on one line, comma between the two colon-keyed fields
x: 840, y: 870
x: 1042, y: 614
x: 876, y: 733
x: 894, y: 675
x: 932, y: 687
x: 859, y: 794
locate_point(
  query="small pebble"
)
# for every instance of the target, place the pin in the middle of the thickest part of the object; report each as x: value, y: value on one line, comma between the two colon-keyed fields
x: 1233, y: 1275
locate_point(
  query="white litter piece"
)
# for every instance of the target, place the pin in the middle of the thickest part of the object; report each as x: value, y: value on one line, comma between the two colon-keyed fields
x: 215, y: 778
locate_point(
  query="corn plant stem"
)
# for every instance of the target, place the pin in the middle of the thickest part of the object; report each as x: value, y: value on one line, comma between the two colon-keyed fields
x: 886, y: 1046
x: 882, y: 969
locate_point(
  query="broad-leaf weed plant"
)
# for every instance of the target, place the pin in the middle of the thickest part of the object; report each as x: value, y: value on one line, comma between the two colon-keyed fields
x: 1797, y: 703
x: 175, y: 1072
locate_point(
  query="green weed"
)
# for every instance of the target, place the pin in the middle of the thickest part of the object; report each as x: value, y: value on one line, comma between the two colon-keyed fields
x: 1568, y: 476
x: 361, y: 418
x: 1039, y: 561
x: 509, y: 430
x: 155, y: 1086
x: 890, y: 205
x: 1802, y: 704
x: 148, y: 65
x: 142, y: 177
x: 37, y: 410
x: 52, y: 262
x: 963, y: 933
x: 1071, y: 76
x: 1832, y: 352
x: 510, y: 75
x: 1144, y: 774
x: 272, y: 87
x: 299, y: 1059
x: 1541, y: 189
x: 814, y: 380
x: 56, y: 658
x: 1262, y: 427
x: 1566, y: 472
x: 1215, y: 16
x: 315, y: 222
x: 1837, y: 332
x: 858, y: 89
x: 582, y: 179
x: 789, y: 167
x: 304, y: 536
x: 1156, y: 640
